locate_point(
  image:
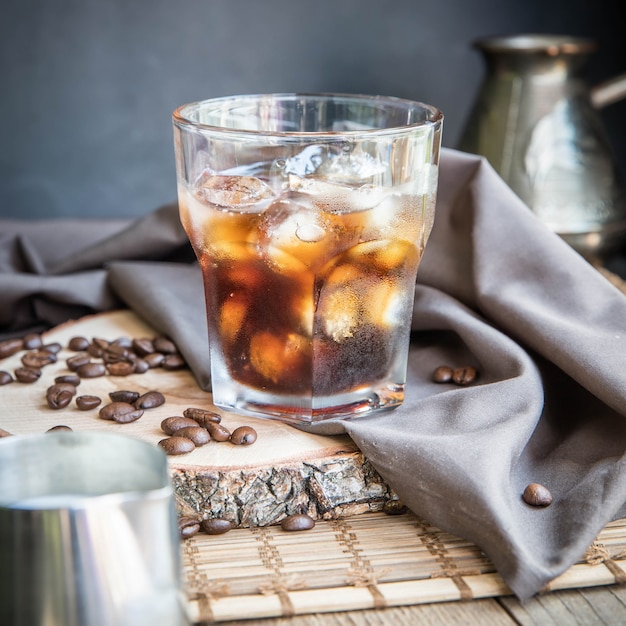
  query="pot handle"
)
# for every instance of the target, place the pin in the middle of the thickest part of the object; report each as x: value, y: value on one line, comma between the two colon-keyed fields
x: 609, y: 91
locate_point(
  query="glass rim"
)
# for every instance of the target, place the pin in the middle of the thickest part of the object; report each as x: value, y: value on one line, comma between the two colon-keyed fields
x: 181, y: 120
x: 47, y: 448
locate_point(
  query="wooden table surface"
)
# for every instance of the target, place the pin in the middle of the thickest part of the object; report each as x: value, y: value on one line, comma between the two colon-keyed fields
x: 580, y: 607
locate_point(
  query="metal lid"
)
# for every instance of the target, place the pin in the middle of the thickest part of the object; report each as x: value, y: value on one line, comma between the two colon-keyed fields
x: 552, y: 45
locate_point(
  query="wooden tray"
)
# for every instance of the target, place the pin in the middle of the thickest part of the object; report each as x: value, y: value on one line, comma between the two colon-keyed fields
x: 284, y: 472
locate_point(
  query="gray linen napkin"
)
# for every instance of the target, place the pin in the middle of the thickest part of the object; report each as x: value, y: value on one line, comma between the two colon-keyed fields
x: 496, y: 290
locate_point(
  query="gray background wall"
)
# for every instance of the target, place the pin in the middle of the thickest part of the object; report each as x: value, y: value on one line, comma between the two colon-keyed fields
x: 87, y: 87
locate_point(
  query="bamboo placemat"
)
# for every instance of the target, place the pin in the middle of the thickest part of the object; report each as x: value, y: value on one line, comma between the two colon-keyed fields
x: 367, y: 561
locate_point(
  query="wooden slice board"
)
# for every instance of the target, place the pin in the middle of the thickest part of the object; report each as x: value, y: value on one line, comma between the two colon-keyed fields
x: 284, y: 472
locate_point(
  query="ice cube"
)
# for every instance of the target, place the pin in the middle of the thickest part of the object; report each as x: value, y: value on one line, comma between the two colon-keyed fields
x: 282, y: 262
x: 305, y: 162
x: 233, y: 192
x: 237, y: 264
x: 280, y: 357
x: 232, y: 315
x: 338, y: 311
x: 303, y: 308
x: 384, y: 255
x: 367, y: 286
x: 336, y: 197
x: 386, y: 304
x: 339, y: 178
x: 301, y: 231
x: 355, y: 168
x: 310, y: 232
x: 234, y: 252
x: 341, y: 273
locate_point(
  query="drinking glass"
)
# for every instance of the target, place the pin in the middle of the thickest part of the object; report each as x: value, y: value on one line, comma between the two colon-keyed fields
x: 308, y: 214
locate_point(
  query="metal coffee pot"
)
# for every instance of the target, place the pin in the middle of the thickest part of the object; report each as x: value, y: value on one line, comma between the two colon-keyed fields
x: 535, y: 119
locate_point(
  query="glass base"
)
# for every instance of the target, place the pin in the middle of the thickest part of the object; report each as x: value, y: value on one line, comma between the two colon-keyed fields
x: 299, y: 410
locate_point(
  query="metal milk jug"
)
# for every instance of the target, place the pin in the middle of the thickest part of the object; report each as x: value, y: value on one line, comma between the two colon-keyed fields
x: 535, y: 120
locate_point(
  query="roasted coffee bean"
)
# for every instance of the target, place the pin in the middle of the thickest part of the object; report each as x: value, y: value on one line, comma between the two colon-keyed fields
x: 217, y: 431
x: 32, y: 341
x: 120, y: 368
x: 97, y: 347
x: 115, y: 352
x: 394, y: 507
x: 216, y: 526
x: 110, y: 357
x: 443, y: 374
x: 91, y: 370
x: 59, y: 427
x: 300, y: 521
x: 57, y: 387
x: 9, y: 347
x: 27, y: 374
x: 106, y: 412
x: 141, y: 366
x: 5, y: 378
x: 74, y: 362
x: 126, y: 417
x: 86, y: 403
x: 154, y: 359
x: 143, y: 346
x: 38, y: 359
x: 120, y: 412
x: 464, y: 375
x: 122, y: 342
x: 200, y: 436
x: 78, y: 344
x: 71, y: 379
x: 173, y: 362
x: 537, y: 495
x: 124, y: 395
x: 49, y: 355
x: 164, y: 345
x: 55, y: 347
x: 94, y: 350
x: 150, y: 400
x: 177, y: 445
x: 202, y: 416
x: 59, y: 395
x: 188, y: 527
x: 103, y: 344
x: 243, y: 436
x: 174, y: 423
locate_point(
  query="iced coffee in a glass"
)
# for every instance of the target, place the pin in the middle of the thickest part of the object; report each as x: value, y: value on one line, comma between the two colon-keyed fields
x: 309, y: 215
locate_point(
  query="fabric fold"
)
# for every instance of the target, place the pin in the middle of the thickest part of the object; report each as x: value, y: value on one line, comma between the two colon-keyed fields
x: 154, y: 236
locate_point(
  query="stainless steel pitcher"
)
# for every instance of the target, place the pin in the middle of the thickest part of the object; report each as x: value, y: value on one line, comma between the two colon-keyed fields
x: 535, y: 119
x: 88, y: 532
